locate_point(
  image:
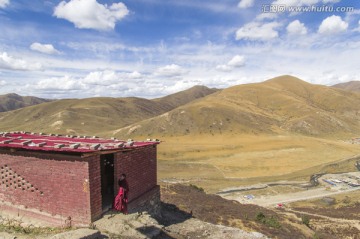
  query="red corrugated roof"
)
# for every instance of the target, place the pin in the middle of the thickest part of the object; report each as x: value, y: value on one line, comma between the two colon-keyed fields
x: 67, y: 143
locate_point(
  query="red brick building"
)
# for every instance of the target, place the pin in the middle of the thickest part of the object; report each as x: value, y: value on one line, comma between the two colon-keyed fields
x: 67, y: 178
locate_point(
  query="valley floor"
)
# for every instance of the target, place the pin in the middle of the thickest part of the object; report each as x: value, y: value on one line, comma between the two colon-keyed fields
x: 270, y: 197
x: 221, y: 161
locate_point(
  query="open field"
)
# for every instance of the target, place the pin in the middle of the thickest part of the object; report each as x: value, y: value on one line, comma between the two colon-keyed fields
x: 217, y: 162
x: 344, y: 205
x: 270, y: 196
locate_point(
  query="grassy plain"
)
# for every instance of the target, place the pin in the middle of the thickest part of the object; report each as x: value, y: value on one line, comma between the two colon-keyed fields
x: 215, y: 162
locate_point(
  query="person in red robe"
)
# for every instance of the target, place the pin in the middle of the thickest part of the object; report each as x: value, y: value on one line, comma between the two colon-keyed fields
x: 121, y: 199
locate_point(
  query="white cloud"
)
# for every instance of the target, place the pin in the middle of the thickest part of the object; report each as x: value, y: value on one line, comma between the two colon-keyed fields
x: 224, y: 68
x: 332, y: 25
x: 302, y: 2
x: 12, y: 63
x: 2, y: 82
x: 266, y: 15
x: 358, y: 28
x: 66, y: 83
x: 258, y: 31
x: 4, y: 3
x: 134, y: 75
x: 101, y: 78
x: 246, y: 3
x: 90, y: 14
x: 276, y: 59
x: 44, y: 48
x: 108, y: 77
x: 289, y: 2
x: 98, y: 83
x: 296, y: 28
x: 237, y: 61
x: 170, y: 71
x: 105, y: 83
x: 331, y: 1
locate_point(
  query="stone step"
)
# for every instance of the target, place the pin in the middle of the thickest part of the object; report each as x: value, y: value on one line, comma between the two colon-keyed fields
x: 82, y: 233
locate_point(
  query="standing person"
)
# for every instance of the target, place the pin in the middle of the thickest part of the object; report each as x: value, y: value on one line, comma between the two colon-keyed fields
x: 121, y: 199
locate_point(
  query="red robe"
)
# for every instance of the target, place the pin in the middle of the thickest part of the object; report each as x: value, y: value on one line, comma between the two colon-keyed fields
x: 121, y: 199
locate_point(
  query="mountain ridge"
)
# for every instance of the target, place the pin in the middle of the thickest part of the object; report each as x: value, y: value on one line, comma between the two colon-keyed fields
x: 349, y: 86
x: 283, y: 104
x: 14, y: 101
x: 92, y: 115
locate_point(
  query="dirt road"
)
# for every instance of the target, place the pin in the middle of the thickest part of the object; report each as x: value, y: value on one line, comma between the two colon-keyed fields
x: 354, y: 223
x: 267, y: 201
x: 323, y: 190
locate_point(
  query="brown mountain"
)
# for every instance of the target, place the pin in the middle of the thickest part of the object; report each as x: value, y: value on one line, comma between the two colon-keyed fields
x: 281, y: 105
x: 13, y: 101
x: 93, y: 115
x: 350, y: 86
x: 186, y: 96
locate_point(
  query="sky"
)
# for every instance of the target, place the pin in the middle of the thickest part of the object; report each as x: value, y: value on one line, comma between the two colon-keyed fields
x: 151, y: 48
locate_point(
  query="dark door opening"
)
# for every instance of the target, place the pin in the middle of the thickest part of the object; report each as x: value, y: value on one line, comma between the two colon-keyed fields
x: 107, y: 180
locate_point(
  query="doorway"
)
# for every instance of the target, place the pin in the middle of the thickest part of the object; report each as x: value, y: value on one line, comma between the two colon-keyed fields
x: 107, y: 180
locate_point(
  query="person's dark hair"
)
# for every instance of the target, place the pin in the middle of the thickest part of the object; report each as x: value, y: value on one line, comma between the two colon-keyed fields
x: 122, y: 180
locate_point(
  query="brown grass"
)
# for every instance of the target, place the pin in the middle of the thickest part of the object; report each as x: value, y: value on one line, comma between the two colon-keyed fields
x: 229, y: 161
x: 217, y: 210
x: 347, y: 205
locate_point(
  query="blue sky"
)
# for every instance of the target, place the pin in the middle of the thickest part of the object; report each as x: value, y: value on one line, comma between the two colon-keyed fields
x: 150, y: 48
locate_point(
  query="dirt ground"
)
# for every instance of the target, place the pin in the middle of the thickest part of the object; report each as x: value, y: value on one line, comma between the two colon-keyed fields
x: 217, y: 210
x: 342, y: 206
x: 269, y: 200
x: 284, y: 192
x: 290, y: 224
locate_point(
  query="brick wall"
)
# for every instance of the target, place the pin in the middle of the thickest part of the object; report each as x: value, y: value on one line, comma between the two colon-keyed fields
x: 50, y: 184
x: 95, y: 187
x: 140, y: 166
x: 64, y: 185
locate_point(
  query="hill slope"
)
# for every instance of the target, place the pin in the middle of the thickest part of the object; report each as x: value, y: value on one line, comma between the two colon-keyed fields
x: 350, y: 86
x: 92, y: 115
x: 186, y: 96
x: 280, y: 105
x: 13, y: 101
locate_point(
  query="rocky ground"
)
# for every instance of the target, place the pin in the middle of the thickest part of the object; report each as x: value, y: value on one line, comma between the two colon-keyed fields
x: 188, y: 212
x: 138, y: 226
x: 273, y: 223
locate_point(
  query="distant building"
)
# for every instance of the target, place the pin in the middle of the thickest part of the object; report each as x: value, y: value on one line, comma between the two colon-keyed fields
x: 355, y: 141
x: 64, y: 179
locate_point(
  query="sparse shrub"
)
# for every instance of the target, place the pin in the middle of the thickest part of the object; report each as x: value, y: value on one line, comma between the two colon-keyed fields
x: 329, y: 201
x: 200, y: 189
x: 305, y: 220
x: 268, y: 221
x: 260, y: 217
x: 272, y: 222
x: 14, y: 225
x: 92, y: 226
x: 346, y: 200
x: 316, y: 236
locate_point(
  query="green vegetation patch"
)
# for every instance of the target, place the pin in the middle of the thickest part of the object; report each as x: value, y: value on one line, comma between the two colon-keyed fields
x: 268, y: 221
x: 12, y: 225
